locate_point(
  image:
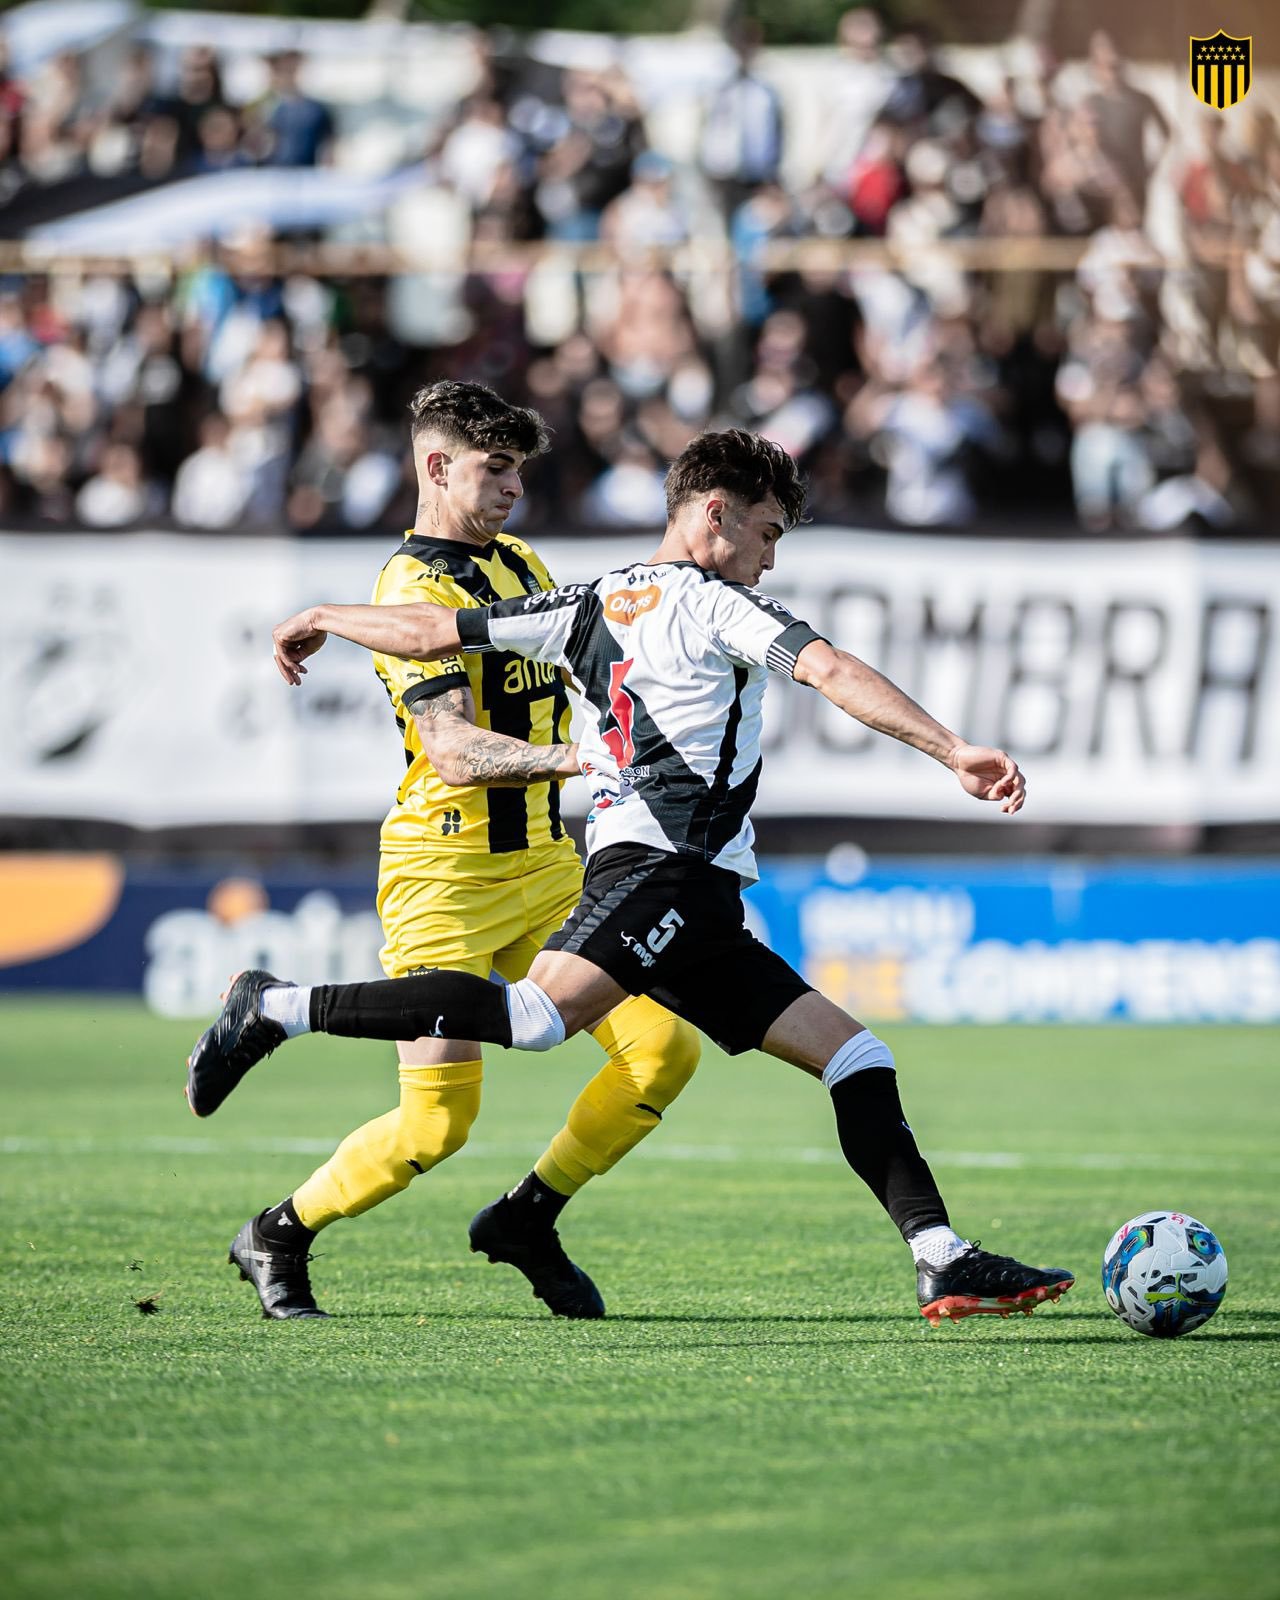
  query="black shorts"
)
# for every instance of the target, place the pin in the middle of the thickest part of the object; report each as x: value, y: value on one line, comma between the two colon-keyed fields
x: 671, y: 927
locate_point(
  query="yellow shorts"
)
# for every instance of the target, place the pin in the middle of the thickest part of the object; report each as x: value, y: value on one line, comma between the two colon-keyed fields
x: 494, y: 914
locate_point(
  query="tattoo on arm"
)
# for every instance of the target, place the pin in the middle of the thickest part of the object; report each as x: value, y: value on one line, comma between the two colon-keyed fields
x: 444, y: 707
x: 467, y: 756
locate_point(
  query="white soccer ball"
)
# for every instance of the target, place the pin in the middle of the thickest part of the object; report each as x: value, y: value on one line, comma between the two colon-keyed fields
x: 1164, y: 1274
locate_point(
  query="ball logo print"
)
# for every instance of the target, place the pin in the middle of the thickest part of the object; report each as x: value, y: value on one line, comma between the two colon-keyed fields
x: 1164, y: 1274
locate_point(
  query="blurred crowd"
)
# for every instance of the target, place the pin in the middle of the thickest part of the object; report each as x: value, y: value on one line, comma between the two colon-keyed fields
x: 1138, y: 388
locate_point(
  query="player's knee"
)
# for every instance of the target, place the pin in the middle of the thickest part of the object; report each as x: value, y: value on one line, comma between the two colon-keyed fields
x: 668, y: 1059
x: 535, y: 1022
x: 435, y: 1124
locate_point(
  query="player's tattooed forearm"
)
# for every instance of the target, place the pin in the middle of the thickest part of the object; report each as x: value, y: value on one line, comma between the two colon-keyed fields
x: 488, y: 758
x: 464, y: 754
x: 452, y: 703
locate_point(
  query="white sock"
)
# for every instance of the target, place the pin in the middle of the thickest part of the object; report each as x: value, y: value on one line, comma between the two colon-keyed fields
x: 863, y: 1050
x: 289, y: 1004
x: 938, y: 1246
x: 535, y: 1022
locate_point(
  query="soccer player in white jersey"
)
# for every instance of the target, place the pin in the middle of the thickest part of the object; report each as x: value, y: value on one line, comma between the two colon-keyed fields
x: 670, y: 658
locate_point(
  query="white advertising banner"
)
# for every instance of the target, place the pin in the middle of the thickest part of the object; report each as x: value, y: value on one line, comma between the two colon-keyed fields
x: 1136, y: 682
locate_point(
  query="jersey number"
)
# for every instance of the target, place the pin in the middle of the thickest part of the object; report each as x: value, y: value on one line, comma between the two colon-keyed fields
x: 661, y: 936
x: 621, y: 713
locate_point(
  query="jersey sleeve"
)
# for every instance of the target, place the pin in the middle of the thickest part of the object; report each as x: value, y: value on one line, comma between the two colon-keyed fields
x: 754, y: 628
x: 539, y: 626
x: 413, y: 682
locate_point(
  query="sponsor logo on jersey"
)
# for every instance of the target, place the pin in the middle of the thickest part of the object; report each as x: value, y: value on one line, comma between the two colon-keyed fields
x: 551, y: 599
x: 523, y: 676
x: 625, y: 605
x: 637, y: 949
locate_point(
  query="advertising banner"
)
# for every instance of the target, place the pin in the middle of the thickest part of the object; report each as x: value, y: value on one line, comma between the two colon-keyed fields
x: 904, y: 940
x: 1136, y: 682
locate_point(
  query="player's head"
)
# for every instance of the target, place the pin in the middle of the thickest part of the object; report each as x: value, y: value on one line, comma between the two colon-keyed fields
x: 469, y: 445
x: 731, y: 496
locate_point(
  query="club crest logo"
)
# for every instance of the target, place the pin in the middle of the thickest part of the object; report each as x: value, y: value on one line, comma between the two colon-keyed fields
x: 1221, y: 70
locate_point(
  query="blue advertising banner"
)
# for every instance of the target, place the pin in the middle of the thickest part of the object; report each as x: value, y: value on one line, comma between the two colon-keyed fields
x: 892, y: 940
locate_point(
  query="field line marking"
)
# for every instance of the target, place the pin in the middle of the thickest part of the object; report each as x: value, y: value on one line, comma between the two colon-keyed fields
x: 783, y: 1155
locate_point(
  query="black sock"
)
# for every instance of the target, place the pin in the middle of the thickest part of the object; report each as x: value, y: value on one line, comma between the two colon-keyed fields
x: 881, y: 1149
x: 279, y: 1225
x: 441, y: 1005
x: 536, y: 1203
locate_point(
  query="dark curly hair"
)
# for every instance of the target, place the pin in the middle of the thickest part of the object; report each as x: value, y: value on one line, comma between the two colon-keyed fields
x: 472, y: 416
x: 741, y: 464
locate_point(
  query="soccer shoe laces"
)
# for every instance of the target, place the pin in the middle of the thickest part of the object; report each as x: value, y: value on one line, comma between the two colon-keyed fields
x: 1000, y: 1271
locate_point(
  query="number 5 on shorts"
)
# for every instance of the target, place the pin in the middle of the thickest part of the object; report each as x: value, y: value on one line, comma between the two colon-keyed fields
x: 661, y: 936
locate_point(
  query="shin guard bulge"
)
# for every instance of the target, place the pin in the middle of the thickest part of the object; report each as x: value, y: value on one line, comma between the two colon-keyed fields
x: 652, y: 1055
x: 437, y: 1108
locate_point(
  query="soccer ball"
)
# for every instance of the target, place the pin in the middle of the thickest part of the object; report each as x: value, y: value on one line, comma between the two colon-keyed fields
x: 1164, y: 1274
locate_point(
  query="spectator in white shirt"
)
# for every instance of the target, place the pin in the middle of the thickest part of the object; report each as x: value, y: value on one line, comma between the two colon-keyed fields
x: 741, y: 145
x: 212, y: 487
x: 117, y: 494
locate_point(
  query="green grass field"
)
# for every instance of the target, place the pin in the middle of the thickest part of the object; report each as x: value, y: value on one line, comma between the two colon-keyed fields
x: 764, y: 1413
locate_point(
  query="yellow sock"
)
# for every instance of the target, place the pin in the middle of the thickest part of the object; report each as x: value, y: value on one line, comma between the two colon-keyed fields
x: 652, y: 1055
x: 436, y: 1110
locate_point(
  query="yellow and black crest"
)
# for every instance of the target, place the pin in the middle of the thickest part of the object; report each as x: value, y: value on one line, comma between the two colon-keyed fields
x: 1221, y: 69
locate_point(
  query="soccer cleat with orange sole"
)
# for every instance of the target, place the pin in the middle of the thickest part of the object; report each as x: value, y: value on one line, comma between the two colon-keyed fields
x: 978, y: 1283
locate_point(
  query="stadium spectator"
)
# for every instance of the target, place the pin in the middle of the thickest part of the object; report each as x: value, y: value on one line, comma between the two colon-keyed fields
x: 16, y: 343
x: 648, y: 215
x: 219, y: 136
x: 1077, y: 177
x: 199, y: 92
x: 479, y: 152
x: 741, y: 145
x: 875, y: 180
x: 924, y: 98
x: 929, y: 432
x: 862, y: 89
x: 118, y: 494
x: 629, y: 492
x: 212, y: 488
x: 293, y: 130
x: 1132, y: 130
x: 588, y: 164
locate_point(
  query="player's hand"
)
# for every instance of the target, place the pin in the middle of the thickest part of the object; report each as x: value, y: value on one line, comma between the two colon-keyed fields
x: 569, y: 767
x: 293, y: 640
x: 989, y: 774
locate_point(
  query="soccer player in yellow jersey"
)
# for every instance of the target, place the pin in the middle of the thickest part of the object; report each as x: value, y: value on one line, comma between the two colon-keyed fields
x: 476, y: 873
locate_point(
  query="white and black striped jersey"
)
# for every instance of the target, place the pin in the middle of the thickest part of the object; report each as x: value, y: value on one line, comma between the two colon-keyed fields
x: 671, y: 663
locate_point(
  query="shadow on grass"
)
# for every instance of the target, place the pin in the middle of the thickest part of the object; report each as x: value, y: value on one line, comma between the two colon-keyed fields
x: 630, y: 1318
x: 1243, y: 1337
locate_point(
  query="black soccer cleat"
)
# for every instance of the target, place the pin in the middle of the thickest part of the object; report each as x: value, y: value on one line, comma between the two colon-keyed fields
x: 537, y: 1252
x: 978, y: 1283
x: 280, y: 1276
x: 237, y: 1041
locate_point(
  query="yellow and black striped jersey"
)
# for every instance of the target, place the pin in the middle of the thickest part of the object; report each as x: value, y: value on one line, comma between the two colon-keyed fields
x: 524, y: 699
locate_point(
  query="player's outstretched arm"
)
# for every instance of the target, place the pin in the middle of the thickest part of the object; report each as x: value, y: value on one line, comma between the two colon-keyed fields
x: 869, y: 697
x: 467, y: 756
x: 418, y: 632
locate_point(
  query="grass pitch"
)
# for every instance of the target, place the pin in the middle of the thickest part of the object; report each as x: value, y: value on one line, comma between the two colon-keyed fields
x: 764, y: 1413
